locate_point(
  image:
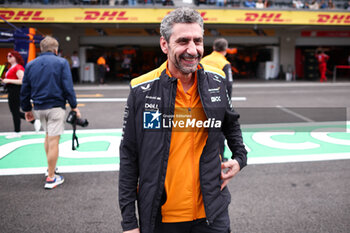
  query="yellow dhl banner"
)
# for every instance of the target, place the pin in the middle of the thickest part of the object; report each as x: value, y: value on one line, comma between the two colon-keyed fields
x: 132, y: 15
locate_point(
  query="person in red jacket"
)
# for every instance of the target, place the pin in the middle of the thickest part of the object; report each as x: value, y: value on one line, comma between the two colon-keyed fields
x: 322, y: 59
x: 13, y: 80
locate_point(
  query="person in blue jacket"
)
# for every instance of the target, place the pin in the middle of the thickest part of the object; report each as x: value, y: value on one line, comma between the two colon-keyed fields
x: 48, y: 82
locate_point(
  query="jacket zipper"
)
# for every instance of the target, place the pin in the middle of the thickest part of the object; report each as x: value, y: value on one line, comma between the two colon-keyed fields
x: 194, y: 193
x: 162, y: 164
x: 200, y: 167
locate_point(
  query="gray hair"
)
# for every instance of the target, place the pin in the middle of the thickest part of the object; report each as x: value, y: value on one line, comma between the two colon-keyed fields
x: 48, y: 44
x: 179, y: 15
x: 220, y: 44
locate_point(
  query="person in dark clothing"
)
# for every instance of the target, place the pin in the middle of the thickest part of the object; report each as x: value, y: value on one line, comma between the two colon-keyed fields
x: 102, y: 67
x: 48, y: 82
x: 217, y: 59
x: 170, y: 161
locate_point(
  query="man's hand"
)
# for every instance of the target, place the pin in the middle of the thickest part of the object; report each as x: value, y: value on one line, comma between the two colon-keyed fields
x: 77, y: 111
x: 137, y: 230
x: 29, y: 116
x: 233, y: 169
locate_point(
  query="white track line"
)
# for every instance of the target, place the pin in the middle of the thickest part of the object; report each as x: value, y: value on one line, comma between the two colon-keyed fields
x: 299, y: 158
x: 239, y: 98
x: 61, y: 169
x: 118, y: 100
x: 294, y: 114
x: 115, y: 167
x: 115, y: 130
x: 101, y: 100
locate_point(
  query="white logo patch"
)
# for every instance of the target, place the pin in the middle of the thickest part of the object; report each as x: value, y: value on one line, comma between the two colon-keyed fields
x: 215, y: 99
x: 146, y: 88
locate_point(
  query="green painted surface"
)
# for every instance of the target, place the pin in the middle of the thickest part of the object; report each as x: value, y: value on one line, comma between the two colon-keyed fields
x: 33, y: 155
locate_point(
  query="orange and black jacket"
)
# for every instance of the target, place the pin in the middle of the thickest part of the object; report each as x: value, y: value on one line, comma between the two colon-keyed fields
x: 219, y: 61
x: 144, y: 149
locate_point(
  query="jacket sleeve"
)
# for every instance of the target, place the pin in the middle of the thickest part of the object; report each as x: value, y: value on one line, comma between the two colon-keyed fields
x: 25, y: 94
x: 233, y: 134
x: 67, y: 85
x: 228, y: 73
x: 129, y: 172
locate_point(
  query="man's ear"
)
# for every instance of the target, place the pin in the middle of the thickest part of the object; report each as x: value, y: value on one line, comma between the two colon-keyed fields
x: 163, y: 45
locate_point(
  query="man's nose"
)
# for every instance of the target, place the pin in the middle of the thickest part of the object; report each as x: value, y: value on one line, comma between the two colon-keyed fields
x: 192, y: 48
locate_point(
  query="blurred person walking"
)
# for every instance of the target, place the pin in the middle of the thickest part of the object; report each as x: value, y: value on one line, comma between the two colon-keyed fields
x: 48, y: 82
x: 322, y: 59
x: 13, y: 81
x: 217, y: 59
x: 102, y: 67
x: 75, y: 67
x: 177, y: 176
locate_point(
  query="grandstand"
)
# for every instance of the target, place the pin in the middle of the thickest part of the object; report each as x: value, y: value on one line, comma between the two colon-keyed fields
x: 279, y: 38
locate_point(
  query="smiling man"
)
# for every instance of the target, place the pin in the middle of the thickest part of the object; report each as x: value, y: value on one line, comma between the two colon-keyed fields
x: 176, y: 174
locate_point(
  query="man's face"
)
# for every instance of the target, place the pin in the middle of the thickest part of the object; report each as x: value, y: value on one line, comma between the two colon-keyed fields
x: 185, y: 47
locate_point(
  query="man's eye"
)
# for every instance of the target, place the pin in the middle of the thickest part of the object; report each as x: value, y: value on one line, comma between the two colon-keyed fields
x: 182, y: 42
x: 198, y: 41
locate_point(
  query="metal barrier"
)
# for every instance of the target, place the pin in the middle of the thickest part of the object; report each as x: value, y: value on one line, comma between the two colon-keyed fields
x: 335, y: 70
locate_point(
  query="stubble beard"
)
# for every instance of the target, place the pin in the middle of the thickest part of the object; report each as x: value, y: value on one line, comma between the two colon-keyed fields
x: 186, y: 69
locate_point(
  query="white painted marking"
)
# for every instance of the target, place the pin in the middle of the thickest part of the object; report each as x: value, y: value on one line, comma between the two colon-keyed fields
x: 90, y: 100
x: 101, y: 100
x: 239, y: 98
x: 65, y: 148
x: 62, y: 169
x: 118, y: 100
x: 289, y: 84
x: 298, y: 124
x: 101, y: 87
x: 322, y: 135
x: 294, y: 114
x: 299, y: 158
x: 116, y: 130
x: 115, y: 167
x: 9, y: 147
x: 264, y: 138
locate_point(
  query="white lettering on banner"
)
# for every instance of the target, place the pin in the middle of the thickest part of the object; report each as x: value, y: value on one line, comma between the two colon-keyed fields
x: 322, y: 135
x: 264, y: 138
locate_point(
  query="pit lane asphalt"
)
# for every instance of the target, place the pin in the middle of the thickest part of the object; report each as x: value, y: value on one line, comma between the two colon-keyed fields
x: 289, y: 197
